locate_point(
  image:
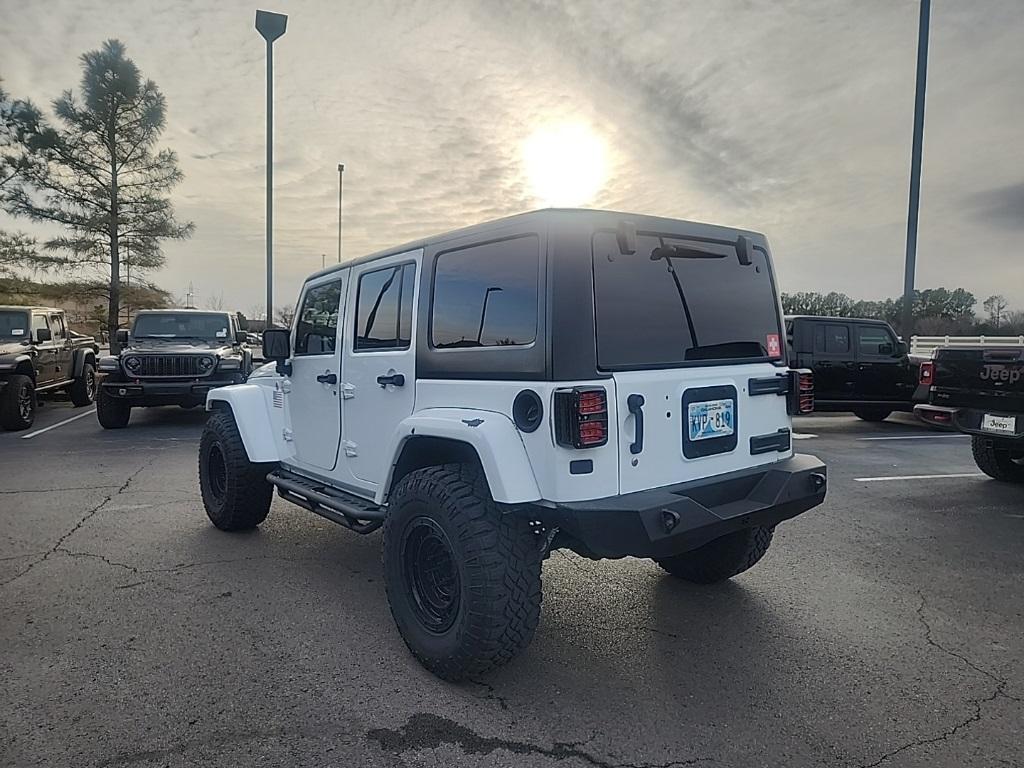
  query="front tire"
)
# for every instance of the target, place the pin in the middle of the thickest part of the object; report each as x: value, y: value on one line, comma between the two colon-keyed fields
x: 235, y: 491
x: 83, y: 391
x: 997, y: 460
x: 872, y: 414
x: 112, y: 412
x: 721, y: 558
x: 18, y: 404
x: 462, y: 577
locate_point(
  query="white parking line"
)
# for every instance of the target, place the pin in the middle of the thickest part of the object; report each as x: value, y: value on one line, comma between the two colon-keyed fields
x: 58, y: 424
x: 915, y: 437
x: 803, y: 436
x: 917, y: 477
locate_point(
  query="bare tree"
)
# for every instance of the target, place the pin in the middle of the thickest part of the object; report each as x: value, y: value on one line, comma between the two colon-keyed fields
x: 996, y: 308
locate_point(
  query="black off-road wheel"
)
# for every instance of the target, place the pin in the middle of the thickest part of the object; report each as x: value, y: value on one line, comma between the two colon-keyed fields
x: 721, y: 558
x: 235, y: 491
x: 112, y: 412
x: 872, y: 414
x: 462, y: 577
x: 18, y: 404
x: 83, y: 391
x: 998, y: 460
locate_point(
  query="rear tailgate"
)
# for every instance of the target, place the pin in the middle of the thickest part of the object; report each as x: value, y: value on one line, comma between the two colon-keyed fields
x: 671, y: 398
x: 984, y: 379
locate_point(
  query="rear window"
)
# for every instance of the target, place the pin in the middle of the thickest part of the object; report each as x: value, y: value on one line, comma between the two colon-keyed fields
x: 700, y: 304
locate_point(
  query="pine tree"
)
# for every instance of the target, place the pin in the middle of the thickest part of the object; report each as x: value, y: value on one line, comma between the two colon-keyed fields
x: 101, y: 175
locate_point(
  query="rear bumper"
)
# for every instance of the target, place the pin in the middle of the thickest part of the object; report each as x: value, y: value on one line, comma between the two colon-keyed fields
x: 163, y: 392
x: 674, y: 519
x: 967, y: 420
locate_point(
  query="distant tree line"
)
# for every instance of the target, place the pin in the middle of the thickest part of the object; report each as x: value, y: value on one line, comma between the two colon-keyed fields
x: 937, y: 311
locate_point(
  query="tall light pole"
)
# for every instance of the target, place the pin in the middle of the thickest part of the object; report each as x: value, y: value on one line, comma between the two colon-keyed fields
x: 341, y: 176
x: 910, y: 265
x: 271, y: 26
x: 483, y: 311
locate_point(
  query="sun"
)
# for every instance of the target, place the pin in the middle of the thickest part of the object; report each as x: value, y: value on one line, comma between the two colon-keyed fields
x: 565, y: 164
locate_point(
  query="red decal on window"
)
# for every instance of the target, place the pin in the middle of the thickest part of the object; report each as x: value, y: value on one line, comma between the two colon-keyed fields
x: 774, y: 347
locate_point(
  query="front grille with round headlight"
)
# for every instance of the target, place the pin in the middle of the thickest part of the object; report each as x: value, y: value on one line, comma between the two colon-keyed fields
x: 205, y: 364
x: 133, y: 364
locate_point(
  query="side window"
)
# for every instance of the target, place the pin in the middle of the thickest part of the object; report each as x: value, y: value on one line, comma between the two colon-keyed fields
x: 57, y: 328
x: 384, y: 308
x: 316, y: 324
x: 874, y: 341
x: 486, y: 295
x: 832, y: 339
x: 38, y: 324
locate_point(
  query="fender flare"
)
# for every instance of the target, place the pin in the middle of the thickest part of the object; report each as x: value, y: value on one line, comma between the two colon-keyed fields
x: 492, y: 435
x: 248, y: 404
x: 80, y: 359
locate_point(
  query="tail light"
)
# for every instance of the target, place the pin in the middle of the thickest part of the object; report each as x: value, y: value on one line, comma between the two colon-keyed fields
x: 927, y: 373
x: 581, y: 417
x: 800, y: 400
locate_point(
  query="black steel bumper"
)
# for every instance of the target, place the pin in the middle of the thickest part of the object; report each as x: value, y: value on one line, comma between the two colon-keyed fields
x: 164, y: 392
x: 967, y: 420
x: 675, y: 519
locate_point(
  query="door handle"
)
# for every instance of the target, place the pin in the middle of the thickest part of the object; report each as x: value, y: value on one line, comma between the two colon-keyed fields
x: 635, y: 403
x: 327, y: 378
x: 396, y: 379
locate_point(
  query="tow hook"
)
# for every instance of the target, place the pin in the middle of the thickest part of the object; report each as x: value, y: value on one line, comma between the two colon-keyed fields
x: 669, y: 519
x: 818, y: 480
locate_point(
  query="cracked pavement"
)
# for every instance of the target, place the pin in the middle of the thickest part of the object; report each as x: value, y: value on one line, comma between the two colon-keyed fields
x: 884, y: 629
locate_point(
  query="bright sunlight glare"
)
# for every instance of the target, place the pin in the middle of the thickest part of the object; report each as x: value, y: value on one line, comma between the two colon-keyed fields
x: 565, y: 164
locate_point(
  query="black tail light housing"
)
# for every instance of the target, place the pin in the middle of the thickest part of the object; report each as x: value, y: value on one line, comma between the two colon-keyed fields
x: 581, y: 417
x: 926, y: 375
x: 800, y: 398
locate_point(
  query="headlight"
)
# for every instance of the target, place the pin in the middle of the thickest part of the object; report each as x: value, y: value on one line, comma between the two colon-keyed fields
x: 229, y: 364
x: 205, y: 364
x: 132, y: 364
x: 108, y: 364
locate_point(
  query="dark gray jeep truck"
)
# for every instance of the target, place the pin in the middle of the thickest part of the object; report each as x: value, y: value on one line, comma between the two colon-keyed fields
x: 40, y: 355
x: 171, y: 357
x: 980, y: 391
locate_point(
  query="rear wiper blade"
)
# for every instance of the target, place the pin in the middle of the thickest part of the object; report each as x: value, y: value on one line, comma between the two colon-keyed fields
x: 682, y: 252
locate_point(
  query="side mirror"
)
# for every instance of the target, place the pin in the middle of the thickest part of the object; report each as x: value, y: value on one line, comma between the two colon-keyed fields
x: 122, y: 336
x: 241, y: 337
x: 277, y: 347
x: 902, y: 349
x: 43, y: 334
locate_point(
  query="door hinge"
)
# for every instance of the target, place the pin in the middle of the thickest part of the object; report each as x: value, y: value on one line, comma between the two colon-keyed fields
x: 287, y: 435
x: 351, y: 449
x: 348, y: 391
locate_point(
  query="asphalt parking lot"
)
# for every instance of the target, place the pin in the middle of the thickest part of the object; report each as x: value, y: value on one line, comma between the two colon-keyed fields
x: 883, y: 629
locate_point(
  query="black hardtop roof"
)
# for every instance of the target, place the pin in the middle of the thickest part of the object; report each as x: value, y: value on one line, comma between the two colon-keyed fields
x: 585, y: 217
x: 196, y: 310
x: 832, y: 319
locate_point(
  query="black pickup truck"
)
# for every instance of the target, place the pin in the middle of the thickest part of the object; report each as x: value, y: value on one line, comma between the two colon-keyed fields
x: 859, y: 365
x: 40, y: 355
x: 980, y: 391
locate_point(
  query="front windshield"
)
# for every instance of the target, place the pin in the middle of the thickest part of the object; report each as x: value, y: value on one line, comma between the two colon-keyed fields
x: 13, y: 325
x: 189, y: 325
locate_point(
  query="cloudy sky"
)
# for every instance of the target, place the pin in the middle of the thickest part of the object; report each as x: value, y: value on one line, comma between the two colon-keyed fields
x: 792, y: 118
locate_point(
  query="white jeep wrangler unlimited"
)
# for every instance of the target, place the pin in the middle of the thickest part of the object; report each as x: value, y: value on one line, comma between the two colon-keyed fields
x: 609, y: 383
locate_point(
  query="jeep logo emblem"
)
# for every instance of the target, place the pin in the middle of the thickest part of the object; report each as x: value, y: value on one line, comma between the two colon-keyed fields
x: 1000, y: 373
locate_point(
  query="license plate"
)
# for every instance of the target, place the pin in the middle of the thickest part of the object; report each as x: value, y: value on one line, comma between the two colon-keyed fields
x: 1002, y: 425
x: 710, y: 419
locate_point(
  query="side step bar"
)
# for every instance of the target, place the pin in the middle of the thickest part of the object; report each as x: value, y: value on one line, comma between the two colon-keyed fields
x: 353, y: 512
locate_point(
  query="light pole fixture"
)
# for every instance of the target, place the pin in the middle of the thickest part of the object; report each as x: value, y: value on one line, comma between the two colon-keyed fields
x: 341, y: 176
x: 483, y: 311
x: 271, y: 26
x: 910, y: 264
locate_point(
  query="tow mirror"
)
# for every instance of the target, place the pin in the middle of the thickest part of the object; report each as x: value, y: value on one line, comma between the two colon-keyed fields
x: 122, y: 336
x: 241, y: 337
x: 277, y: 347
x: 43, y: 334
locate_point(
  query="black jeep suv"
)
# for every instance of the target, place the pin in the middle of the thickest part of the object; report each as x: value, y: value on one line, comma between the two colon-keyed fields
x: 171, y: 357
